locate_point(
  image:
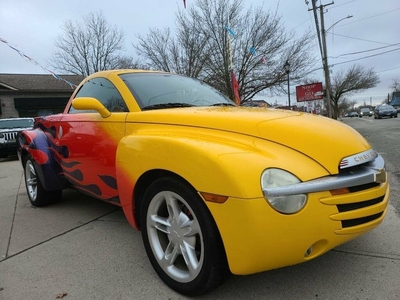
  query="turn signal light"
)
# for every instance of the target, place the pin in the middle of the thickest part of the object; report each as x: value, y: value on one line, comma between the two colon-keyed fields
x: 340, y: 191
x: 214, y: 198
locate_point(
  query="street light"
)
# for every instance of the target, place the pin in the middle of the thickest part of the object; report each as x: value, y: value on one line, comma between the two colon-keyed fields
x: 348, y: 17
x: 286, y: 66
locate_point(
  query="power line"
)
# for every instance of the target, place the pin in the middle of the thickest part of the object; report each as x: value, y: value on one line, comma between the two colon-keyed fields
x: 320, y: 68
x: 369, y: 50
x: 345, y: 62
x: 389, y: 69
x: 301, y: 24
x: 342, y: 4
x: 370, y: 17
x: 354, y: 38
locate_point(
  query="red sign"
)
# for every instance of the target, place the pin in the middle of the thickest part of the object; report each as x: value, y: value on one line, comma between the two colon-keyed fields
x: 309, y: 92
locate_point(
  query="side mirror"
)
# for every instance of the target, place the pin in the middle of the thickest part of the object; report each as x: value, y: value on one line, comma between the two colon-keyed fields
x: 88, y: 103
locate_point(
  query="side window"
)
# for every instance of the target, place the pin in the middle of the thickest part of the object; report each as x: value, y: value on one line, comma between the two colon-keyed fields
x: 104, y: 91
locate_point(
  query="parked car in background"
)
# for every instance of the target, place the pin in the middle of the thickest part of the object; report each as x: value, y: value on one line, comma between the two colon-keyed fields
x: 215, y: 188
x: 385, y: 111
x: 9, y: 129
x: 366, y: 112
x: 354, y: 114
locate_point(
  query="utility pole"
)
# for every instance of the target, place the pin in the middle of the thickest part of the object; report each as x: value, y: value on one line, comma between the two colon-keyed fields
x: 287, y: 70
x: 325, y: 59
x: 323, y: 49
x: 324, y: 53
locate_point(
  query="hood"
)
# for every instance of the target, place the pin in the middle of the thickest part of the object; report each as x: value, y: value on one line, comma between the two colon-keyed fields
x: 325, y: 140
x: 3, y: 130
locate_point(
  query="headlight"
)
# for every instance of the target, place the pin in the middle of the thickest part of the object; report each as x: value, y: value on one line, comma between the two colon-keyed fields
x: 285, y: 204
x: 1, y: 135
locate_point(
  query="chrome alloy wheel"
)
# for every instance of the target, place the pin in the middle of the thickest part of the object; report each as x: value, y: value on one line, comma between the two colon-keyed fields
x: 31, y: 180
x: 175, y: 236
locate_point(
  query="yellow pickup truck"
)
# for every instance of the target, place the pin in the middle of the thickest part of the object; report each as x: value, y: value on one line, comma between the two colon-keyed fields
x: 216, y: 189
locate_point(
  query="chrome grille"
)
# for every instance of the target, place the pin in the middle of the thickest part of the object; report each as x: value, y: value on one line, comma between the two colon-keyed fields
x: 360, y: 204
x: 354, y: 206
x: 10, y: 135
x: 363, y: 187
x: 357, y: 205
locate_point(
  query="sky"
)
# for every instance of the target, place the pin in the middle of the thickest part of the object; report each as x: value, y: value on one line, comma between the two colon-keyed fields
x: 371, y: 37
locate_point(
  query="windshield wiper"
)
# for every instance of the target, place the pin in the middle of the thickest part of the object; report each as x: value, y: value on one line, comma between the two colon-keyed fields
x: 166, y: 105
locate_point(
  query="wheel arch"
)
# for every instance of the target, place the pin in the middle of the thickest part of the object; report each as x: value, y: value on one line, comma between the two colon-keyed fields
x: 36, y: 144
x: 142, y: 185
x: 139, y: 161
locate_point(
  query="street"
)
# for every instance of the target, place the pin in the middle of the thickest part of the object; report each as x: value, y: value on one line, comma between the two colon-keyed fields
x: 384, y: 136
x: 81, y: 248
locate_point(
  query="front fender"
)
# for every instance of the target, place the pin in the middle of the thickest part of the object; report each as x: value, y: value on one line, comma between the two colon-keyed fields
x: 229, y: 166
x: 41, y: 149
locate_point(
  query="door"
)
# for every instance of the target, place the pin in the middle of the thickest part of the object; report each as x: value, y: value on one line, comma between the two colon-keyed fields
x: 89, y: 141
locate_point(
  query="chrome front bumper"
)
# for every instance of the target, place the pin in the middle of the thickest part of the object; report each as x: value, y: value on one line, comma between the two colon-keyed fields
x: 372, y: 172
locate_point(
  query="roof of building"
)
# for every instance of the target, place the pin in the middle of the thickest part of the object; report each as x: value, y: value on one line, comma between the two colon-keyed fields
x: 38, y: 82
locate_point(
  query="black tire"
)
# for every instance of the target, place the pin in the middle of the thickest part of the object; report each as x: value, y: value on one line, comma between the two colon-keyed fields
x: 37, y: 195
x: 171, y: 209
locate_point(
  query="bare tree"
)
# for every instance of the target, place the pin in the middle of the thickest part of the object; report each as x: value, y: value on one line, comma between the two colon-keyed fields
x: 395, y: 84
x: 91, y: 46
x: 202, y: 48
x: 185, y: 54
x: 354, y: 80
x: 127, y: 62
x: 346, y: 105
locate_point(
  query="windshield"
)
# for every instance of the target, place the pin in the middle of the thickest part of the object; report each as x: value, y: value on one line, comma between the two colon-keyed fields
x: 17, y: 123
x: 160, y: 90
x: 387, y: 107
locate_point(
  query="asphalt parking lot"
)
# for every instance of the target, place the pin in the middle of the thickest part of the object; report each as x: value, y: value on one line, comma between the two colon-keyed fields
x: 81, y: 248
